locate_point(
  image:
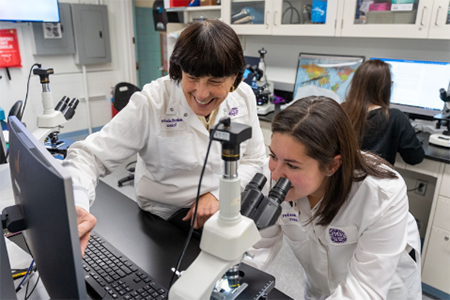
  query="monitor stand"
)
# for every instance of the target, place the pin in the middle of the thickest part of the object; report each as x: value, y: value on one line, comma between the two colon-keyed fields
x: 7, y: 289
x: 265, y: 109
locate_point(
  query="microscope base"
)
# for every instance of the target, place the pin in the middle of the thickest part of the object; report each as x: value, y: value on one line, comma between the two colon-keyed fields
x: 440, y: 140
x: 265, y: 109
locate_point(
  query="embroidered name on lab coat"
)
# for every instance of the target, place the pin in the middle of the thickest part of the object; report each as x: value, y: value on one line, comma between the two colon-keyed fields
x: 290, y: 217
x: 172, y: 124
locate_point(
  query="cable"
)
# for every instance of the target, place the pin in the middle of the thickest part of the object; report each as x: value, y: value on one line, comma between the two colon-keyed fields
x: 191, y: 228
x: 420, y: 186
x: 25, y: 277
x: 291, y: 8
x: 28, y: 85
x: 35, y: 285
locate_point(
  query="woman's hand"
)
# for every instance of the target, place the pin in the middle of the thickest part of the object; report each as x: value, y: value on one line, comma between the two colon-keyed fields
x: 86, y: 223
x: 207, y: 206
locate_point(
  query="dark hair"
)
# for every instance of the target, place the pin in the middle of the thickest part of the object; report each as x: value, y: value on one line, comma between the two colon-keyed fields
x: 322, y: 127
x: 371, y: 85
x: 208, y: 48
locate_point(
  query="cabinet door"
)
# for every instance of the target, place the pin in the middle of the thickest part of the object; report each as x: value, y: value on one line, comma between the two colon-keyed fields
x: 305, y: 17
x: 378, y: 20
x: 436, y: 269
x: 440, y: 20
x: 248, y: 16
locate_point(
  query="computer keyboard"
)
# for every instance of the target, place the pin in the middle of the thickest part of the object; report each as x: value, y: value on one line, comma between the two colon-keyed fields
x: 111, y: 275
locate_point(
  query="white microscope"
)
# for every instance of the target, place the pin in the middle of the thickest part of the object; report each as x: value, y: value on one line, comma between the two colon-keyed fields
x: 227, y: 235
x: 51, y: 120
x: 444, y: 138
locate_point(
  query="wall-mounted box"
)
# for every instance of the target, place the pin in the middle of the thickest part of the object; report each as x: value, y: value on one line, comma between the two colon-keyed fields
x: 92, y: 40
x: 55, y: 38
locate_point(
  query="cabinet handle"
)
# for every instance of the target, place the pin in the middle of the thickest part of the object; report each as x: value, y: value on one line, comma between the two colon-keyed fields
x: 267, y: 18
x: 423, y: 13
x: 274, y: 18
x: 437, y: 16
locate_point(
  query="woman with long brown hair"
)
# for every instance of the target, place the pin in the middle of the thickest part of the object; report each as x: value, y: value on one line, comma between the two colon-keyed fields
x: 380, y: 129
x: 346, y: 214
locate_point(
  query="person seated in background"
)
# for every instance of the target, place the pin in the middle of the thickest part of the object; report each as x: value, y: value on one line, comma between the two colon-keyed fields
x: 380, y: 129
x: 167, y: 124
x: 346, y: 214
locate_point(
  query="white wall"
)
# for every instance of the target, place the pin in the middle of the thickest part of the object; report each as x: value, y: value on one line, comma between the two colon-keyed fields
x: 68, y: 77
x: 282, y: 51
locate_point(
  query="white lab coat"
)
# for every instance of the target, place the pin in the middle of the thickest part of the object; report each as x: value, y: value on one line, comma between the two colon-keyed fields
x: 362, y: 254
x: 171, y: 143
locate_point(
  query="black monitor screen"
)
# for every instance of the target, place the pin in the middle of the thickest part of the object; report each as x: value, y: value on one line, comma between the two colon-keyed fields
x: 331, y: 72
x: 43, y: 189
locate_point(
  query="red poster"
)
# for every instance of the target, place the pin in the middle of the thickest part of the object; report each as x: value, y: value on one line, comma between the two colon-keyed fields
x: 9, y: 49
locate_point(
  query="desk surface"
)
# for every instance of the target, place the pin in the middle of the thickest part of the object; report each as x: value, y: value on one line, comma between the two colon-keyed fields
x: 151, y: 242
x: 433, y: 152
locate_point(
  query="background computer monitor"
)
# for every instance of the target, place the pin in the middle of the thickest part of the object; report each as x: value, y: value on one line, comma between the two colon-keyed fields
x: 416, y: 85
x: 332, y: 72
x: 29, y: 11
x: 43, y: 189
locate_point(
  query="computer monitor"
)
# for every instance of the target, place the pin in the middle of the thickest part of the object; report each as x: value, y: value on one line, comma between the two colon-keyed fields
x: 29, y: 11
x: 43, y: 190
x: 416, y: 85
x: 331, y: 72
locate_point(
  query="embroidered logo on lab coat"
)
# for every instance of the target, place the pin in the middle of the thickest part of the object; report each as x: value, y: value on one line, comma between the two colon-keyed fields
x: 171, y: 124
x: 233, y: 112
x: 337, y: 236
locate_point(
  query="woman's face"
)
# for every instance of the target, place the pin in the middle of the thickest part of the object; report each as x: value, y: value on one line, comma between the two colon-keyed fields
x: 204, y: 94
x: 288, y: 159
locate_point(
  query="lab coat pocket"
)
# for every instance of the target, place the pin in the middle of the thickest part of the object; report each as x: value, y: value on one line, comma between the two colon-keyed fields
x: 177, y: 152
x: 341, y: 235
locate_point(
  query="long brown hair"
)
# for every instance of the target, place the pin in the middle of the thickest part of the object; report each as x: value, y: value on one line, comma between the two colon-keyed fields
x: 323, y: 128
x: 208, y: 48
x: 371, y: 85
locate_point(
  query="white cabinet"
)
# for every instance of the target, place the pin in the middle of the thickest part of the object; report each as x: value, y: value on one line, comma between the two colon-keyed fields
x: 281, y: 17
x: 427, y: 19
x: 440, y: 20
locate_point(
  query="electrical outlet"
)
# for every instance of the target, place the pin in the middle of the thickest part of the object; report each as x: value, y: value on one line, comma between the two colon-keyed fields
x: 421, y: 187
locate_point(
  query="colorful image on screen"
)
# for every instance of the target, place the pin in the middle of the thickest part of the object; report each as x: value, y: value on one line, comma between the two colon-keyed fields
x: 332, y: 72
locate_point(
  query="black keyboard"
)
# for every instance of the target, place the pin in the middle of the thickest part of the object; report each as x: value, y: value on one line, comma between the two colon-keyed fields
x: 111, y: 275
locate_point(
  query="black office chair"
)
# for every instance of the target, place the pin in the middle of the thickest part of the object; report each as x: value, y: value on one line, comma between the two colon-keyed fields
x: 16, y: 110
x: 121, y: 95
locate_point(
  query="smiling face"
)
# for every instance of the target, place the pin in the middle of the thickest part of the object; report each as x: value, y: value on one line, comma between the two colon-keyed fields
x: 204, y: 94
x: 288, y: 159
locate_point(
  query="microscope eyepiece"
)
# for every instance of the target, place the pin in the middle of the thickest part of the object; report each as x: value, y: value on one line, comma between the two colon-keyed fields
x: 258, y: 181
x: 280, y: 189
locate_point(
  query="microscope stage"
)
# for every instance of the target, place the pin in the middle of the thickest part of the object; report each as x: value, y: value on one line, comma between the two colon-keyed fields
x: 440, y: 140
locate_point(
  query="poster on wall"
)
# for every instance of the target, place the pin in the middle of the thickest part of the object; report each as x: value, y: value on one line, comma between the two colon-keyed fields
x: 9, y: 49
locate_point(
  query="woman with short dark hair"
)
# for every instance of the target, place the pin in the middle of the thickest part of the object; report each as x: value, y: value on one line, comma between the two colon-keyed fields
x: 346, y: 214
x: 167, y: 124
x: 380, y: 129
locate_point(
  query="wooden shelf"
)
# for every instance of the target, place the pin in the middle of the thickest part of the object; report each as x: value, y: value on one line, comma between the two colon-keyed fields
x: 195, y: 8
